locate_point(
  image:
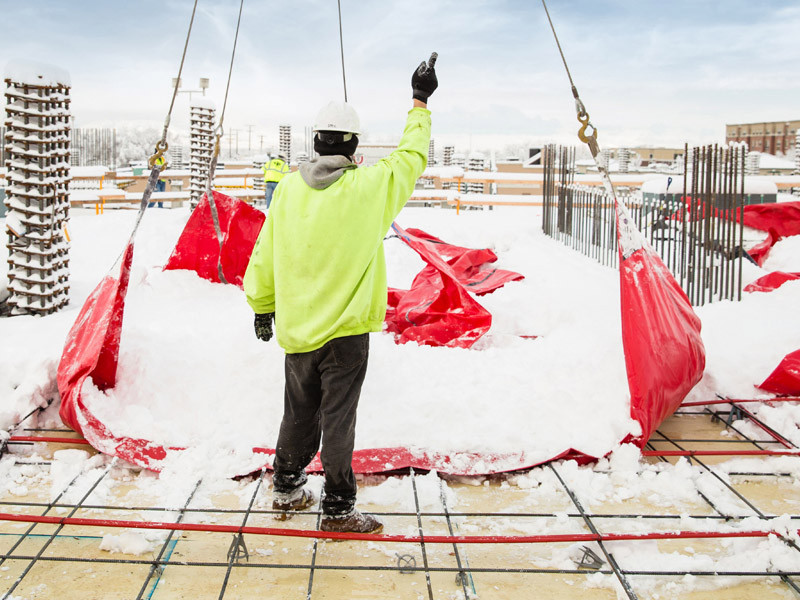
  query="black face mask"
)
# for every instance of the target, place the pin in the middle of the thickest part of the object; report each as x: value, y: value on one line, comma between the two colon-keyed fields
x: 331, y: 143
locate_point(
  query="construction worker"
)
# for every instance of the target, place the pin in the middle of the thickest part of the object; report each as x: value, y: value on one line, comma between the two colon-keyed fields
x: 161, y: 185
x: 274, y: 170
x: 318, y: 269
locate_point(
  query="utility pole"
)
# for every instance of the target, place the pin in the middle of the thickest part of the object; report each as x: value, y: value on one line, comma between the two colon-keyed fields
x: 249, y: 138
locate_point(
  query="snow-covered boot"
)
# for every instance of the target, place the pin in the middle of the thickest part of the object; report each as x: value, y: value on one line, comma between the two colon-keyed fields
x: 289, y: 503
x: 354, y: 521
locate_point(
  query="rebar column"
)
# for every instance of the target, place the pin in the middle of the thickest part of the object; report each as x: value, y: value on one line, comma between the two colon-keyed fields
x: 285, y: 142
x: 201, y: 148
x: 37, y: 152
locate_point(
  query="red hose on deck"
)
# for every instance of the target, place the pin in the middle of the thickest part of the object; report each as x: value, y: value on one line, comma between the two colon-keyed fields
x: 430, y: 539
x: 54, y: 440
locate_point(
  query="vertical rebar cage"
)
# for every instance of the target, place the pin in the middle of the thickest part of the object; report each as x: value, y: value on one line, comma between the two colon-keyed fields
x: 696, y: 228
x: 285, y: 141
x: 200, y: 149
x: 37, y: 155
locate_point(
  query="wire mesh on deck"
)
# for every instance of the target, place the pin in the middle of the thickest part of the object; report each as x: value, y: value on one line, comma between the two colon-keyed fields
x: 312, y: 569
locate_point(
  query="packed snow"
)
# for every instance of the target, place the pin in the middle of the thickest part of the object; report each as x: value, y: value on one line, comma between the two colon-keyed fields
x: 193, y: 374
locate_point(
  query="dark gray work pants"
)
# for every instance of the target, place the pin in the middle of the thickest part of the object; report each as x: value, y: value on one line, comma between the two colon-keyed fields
x: 320, y: 401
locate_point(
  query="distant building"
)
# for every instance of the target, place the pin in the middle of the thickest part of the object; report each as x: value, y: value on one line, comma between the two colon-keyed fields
x: 448, y: 155
x: 644, y: 156
x: 285, y: 141
x: 771, y: 137
x: 476, y: 162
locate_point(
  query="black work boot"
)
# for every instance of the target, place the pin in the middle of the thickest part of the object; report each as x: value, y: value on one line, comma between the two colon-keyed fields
x: 289, y: 503
x: 355, y: 522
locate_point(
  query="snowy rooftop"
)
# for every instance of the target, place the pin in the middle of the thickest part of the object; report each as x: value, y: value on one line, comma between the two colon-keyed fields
x: 769, y: 161
x: 658, y: 185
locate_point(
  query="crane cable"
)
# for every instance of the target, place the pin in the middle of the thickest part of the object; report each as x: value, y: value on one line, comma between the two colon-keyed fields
x: 161, y: 145
x: 589, y: 139
x: 212, y: 163
x: 341, y: 48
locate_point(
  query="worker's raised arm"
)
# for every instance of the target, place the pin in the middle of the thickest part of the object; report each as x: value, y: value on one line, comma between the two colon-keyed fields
x: 397, y: 174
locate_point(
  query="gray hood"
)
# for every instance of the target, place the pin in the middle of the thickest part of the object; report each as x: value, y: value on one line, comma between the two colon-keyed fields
x: 325, y: 170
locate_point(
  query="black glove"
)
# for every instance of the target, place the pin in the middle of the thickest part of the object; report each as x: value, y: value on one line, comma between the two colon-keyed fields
x: 263, y: 326
x: 423, y: 81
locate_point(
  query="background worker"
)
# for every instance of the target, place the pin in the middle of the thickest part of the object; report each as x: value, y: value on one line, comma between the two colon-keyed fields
x: 274, y: 170
x: 161, y: 184
x: 318, y: 268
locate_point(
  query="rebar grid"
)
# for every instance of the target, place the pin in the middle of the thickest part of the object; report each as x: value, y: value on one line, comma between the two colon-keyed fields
x: 462, y: 570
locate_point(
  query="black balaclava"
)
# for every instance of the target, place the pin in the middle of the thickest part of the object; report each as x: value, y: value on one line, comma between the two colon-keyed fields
x: 331, y: 143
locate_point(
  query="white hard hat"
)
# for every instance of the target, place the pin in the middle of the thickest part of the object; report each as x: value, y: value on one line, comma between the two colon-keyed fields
x: 338, y: 116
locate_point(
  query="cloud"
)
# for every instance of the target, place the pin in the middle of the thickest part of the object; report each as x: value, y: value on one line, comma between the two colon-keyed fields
x: 649, y: 72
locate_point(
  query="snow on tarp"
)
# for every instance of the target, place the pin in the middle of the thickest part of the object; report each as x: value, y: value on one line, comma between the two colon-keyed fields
x: 785, y: 379
x: 198, y: 249
x: 438, y: 309
x: 771, y: 281
x: 92, y: 346
x: 92, y: 351
x: 664, y: 358
x: 664, y: 353
x: 760, y: 251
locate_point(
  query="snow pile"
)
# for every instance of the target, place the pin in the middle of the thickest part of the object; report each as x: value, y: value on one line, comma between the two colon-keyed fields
x: 193, y: 373
x: 784, y: 256
x: 129, y: 542
x: 176, y: 387
x: 746, y: 340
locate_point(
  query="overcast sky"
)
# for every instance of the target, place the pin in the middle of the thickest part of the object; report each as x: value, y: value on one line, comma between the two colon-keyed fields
x: 650, y: 72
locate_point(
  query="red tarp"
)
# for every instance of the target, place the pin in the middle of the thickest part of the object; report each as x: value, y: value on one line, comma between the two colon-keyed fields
x: 760, y: 251
x: 92, y: 345
x: 771, y: 281
x: 783, y: 217
x: 664, y: 353
x: 470, y: 267
x: 198, y: 248
x: 438, y: 310
x: 785, y: 379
